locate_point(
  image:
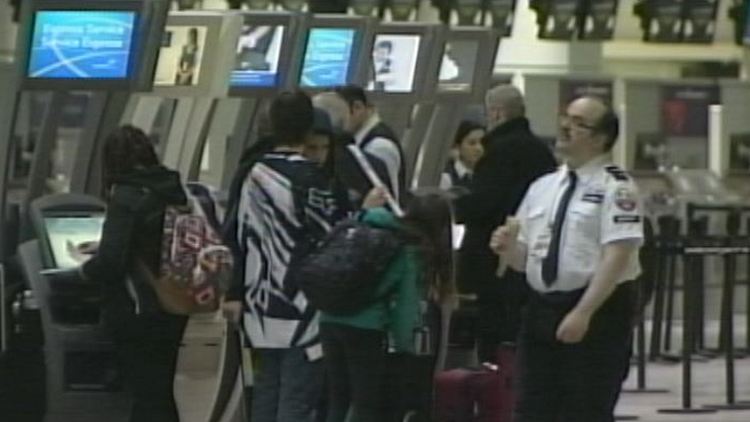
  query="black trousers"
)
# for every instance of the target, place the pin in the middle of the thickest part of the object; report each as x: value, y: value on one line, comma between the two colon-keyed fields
x: 147, y: 347
x: 355, y: 367
x: 580, y: 382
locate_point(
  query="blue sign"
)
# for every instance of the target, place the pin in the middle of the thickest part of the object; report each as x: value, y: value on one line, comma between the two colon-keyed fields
x: 81, y: 44
x: 327, y: 57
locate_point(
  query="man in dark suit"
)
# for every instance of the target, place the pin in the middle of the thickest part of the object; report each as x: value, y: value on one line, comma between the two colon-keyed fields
x: 514, y: 157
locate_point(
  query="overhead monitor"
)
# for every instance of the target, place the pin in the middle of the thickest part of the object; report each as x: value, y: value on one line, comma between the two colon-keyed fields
x: 68, y: 234
x: 598, y: 21
x: 700, y: 21
x: 560, y: 21
x: 458, y: 65
x: 327, y: 61
x: 394, y: 63
x: 88, y: 44
x: 257, y: 56
x: 665, y: 21
x: 181, y: 55
x: 746, y: 37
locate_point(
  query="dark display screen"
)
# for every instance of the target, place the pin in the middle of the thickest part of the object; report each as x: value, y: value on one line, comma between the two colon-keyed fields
x: 599, y: 20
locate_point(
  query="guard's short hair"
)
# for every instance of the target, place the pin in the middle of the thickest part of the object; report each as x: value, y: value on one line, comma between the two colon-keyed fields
x: 508, y: 97
x: 609, y: 125
x: 352, y: 93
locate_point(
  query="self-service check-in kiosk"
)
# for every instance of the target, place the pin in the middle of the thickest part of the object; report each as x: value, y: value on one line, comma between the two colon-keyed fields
x: 396, y: 80
x: 83, y: 382
x: 462, y: 74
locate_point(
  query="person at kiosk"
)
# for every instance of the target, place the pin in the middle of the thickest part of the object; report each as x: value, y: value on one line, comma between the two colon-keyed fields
x: 374, y: 136
x: 513, y: 158
x: 137, y: 189
x: 576, y: 235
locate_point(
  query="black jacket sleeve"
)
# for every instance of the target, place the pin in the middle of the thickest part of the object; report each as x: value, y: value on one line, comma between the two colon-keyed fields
x: 491, y: 188
x: 114, y: 255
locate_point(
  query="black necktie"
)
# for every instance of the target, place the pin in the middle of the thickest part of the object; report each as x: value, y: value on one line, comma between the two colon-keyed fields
x: 550, y: 264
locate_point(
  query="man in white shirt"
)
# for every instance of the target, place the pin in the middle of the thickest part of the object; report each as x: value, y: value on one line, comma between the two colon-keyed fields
x: 576, y: 235
x: 374, y: 136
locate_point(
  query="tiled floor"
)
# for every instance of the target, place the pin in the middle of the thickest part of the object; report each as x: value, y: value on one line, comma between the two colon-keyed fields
x: 195, y: 389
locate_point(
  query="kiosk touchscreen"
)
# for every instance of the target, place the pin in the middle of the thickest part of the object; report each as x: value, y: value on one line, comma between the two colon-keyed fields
x: 69, y: 235
x: 328, y: 57
x: 458, y: 65
x: 394, y: 63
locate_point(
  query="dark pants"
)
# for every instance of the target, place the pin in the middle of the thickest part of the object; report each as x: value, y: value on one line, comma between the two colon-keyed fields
x: 147, y: 347
x: 500, y: 303
x: 355, y: 364
x: 573, y: 382
x: 287, y: 386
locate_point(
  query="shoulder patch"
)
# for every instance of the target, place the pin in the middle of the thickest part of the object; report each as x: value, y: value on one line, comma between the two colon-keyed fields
x: 617, y: 173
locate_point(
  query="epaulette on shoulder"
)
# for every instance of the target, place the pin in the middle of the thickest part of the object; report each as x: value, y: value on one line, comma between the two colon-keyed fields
x: 617, y: 173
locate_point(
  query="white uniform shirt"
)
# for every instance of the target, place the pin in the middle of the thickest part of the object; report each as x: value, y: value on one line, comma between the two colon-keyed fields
x: 383, y: 149
x: 604, y: 208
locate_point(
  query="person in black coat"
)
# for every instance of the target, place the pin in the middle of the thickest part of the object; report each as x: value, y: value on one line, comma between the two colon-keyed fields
x: 513, y: 158
x: 137, y: 190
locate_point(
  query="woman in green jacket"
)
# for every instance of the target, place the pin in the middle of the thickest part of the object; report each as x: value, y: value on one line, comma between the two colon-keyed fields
x: 355, y: 346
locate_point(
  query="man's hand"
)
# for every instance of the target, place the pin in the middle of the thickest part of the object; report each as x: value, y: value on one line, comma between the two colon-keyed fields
x: 232, y: 311
x: 573, y: 327
x: 504, y: 237
x: 375, y: 198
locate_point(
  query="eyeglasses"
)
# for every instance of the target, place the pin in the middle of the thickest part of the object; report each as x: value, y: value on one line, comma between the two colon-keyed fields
x: 575, y: 123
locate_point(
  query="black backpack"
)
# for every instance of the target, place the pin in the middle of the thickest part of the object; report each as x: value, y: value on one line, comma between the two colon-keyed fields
x: 341, y: 274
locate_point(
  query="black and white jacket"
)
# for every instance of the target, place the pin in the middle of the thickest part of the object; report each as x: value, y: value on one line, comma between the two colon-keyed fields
x: 285, y: 200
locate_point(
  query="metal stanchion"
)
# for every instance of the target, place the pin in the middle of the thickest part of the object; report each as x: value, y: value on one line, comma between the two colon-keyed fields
x: 730, y: 255
x: 688, y: 339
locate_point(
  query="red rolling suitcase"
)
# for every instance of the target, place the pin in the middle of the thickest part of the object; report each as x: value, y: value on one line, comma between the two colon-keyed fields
x: 482, y: 394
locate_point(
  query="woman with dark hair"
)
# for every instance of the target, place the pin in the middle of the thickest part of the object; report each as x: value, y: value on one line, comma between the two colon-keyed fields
x: 356, y: 346
x: 137, y: 189
x: 467, y: 150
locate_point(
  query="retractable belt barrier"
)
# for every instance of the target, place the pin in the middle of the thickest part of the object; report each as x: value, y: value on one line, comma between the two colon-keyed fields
x: 693, y: 249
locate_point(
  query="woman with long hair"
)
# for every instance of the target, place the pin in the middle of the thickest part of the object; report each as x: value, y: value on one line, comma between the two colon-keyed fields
x: 137, y: 190
x: 356, y: 346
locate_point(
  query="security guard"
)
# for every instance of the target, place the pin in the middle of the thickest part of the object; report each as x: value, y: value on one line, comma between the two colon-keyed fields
x: 576, y: 235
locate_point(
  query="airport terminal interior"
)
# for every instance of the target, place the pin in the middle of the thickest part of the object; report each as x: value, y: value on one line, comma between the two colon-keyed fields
x: 198, y: 75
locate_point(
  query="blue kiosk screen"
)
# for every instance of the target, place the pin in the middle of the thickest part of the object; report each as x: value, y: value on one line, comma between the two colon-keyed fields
x: 89, y: 44
x: 328, y: 57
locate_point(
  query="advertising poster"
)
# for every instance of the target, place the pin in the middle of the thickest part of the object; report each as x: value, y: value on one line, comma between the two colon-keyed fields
x: 67, y: 235
x: 181, y: 56
x: 257, y: 58
x: 572, y: 89
x: 458, y: 65
x: 700, y: 21
x: 599, y: 21
x: 327, y: 57
x: 562, y: 20
x: 81, y: 44
x: 394, y: 63
x: 666, y: 21
x: 684, y: 109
